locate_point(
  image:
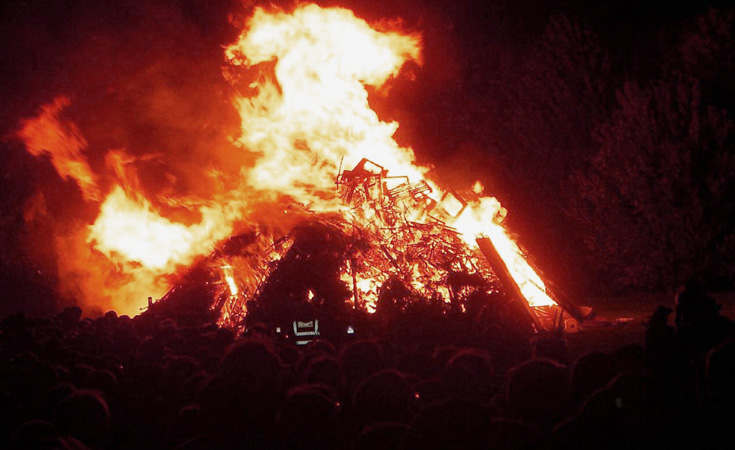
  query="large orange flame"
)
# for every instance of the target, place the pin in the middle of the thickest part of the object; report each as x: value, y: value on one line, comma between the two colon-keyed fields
x: 312, y: 115
x: 306, y: 116
x: 129, y: 231
x: 313, y: 111
x: 141, y: 247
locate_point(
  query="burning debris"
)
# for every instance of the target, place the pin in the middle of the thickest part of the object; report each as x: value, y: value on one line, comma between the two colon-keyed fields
x: 392, y: 236
x: 299, y: 82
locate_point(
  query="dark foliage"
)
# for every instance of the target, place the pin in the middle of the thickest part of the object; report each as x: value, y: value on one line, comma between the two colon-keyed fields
x: 661, y: 184
x: 655, y: 203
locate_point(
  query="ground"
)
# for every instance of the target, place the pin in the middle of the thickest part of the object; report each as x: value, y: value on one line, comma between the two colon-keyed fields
x: 638, y: 307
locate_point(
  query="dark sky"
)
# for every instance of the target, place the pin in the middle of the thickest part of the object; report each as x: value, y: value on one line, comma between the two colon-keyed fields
x: 57, y: 46
x: 46, y: 44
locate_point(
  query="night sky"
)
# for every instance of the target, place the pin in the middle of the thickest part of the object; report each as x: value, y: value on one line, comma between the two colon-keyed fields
x: 569, y: 112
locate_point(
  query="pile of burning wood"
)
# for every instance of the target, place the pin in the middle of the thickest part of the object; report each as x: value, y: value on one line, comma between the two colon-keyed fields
x: 390, y: 232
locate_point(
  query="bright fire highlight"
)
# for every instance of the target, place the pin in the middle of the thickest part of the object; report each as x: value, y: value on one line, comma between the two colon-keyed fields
x: 129, y: 231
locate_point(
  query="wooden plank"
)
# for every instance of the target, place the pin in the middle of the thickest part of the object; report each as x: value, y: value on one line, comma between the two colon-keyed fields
x: 506, y: 280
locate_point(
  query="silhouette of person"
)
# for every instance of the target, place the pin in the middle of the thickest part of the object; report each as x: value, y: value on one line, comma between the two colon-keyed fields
x: 694, y: 307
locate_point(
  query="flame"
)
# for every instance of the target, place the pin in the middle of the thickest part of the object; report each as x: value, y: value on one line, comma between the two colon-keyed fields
x: 369, y: 292
x: 142, y: 247
x: 306, y: 116
x: 227, y: 272
x: 48, y: 134
x: 129, y: 231
x: 311, y: 115
x: 313, y: 112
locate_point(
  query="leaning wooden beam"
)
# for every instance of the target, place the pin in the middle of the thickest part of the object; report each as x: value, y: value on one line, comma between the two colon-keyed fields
x: 506, y: 280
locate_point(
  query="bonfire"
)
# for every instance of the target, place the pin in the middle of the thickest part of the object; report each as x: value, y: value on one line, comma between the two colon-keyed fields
x: 327, y: 193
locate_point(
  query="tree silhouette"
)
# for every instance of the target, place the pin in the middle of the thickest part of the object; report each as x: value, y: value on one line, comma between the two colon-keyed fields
x: 539, y: 131
x: 658, y: 198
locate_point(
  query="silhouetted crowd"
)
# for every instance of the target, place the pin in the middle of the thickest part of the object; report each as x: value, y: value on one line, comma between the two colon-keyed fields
x: 148, y: 382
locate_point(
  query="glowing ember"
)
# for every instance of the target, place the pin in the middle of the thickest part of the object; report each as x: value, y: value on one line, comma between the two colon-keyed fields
x: 234, y: 290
